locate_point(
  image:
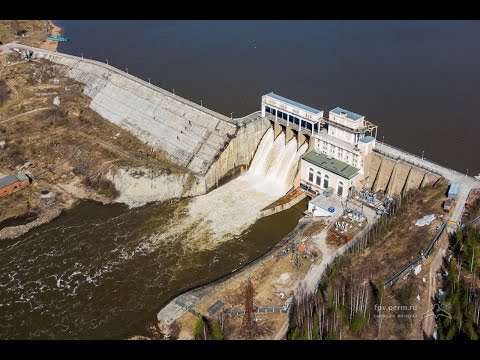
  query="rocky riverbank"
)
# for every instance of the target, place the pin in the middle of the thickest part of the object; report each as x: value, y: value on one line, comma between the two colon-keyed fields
x: 46, y: 216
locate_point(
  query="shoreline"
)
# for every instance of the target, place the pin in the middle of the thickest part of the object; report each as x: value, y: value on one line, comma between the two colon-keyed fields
x: 13, y: 232
x: 54, y: 30
x: 171, y: 314
x: 227, y: 279
x: 73, y: 197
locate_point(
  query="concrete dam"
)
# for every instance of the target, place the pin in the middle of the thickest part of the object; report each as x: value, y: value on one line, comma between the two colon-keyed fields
x: 210, y: 145
x: 203, y: 141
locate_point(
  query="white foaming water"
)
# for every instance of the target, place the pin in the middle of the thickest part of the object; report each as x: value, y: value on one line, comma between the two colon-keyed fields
x: 258, y: 163
x: 235, y: 206
x: 292, y: 169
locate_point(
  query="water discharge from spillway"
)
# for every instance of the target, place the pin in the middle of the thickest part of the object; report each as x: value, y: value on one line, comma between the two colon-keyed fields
x: 233, y: 207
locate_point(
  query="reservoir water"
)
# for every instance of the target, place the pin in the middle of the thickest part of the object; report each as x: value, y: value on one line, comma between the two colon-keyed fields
x: 418, y: 80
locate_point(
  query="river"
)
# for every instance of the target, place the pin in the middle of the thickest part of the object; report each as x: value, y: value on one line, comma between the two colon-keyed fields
x: 90, y: 273
x: 103, y: 271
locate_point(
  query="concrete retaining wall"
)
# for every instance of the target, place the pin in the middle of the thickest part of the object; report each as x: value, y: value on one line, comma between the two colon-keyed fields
x: 395, y: 176
x: 402, y: 171
x: 372, y: 166
x: 282, y: 207
x: 240, y: 151
x: 383, y: 177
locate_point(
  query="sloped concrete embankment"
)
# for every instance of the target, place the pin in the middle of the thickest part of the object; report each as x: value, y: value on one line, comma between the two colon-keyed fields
x: 208, y: 144
x: 191, y: 135
x: 395, y: 176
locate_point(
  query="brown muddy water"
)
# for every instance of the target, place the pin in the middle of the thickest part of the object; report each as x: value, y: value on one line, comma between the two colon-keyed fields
x: 104, y: 271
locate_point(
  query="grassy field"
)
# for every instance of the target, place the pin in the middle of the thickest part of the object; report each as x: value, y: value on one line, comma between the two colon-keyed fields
x: 34, y: 36
x: 66, y: 143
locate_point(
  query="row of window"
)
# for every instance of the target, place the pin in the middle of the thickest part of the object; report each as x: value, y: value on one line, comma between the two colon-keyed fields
x: 341, y: 134
x: 326, y: 180
x: 288, y: 117
x: 5, y: 191
x: 340, y: 153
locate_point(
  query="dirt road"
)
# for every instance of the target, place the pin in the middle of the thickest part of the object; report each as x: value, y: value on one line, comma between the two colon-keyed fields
x: 428, y: 324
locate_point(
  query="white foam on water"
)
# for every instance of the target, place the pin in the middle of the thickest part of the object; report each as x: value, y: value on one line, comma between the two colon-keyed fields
x: 235, y: 206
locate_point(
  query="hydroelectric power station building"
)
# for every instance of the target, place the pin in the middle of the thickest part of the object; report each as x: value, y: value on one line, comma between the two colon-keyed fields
x: 338, y: 143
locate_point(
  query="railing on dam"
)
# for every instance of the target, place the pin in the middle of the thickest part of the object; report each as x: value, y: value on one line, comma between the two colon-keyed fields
x: 410, y: 155
x: 248, y: 118
x: 406, y: 160
x: 106, y: 66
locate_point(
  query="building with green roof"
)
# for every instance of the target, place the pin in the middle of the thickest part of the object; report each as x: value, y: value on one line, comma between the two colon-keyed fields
x: 319, y: 172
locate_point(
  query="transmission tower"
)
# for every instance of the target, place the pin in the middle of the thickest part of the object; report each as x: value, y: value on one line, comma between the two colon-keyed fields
x: 249, y: 326
x: 296, y: 260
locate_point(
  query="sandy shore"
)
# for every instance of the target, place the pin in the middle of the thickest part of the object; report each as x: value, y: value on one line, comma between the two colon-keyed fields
x: 50, y: 44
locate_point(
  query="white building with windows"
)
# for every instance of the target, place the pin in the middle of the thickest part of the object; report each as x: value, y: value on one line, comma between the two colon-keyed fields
x: 338, y: 158
x: 340, y: 143
x: 295, y: 115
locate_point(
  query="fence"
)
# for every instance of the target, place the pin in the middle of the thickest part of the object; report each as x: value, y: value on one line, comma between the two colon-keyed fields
x: 260, y: 309
x: 339, y: 252
x: 418, y: 260
x: 410, y: 161
x: 471, y: 222
x: 415, y: 156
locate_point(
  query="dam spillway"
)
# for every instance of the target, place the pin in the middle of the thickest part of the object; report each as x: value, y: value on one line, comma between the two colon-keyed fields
x: 275, y: 164
x: 233, y: 207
